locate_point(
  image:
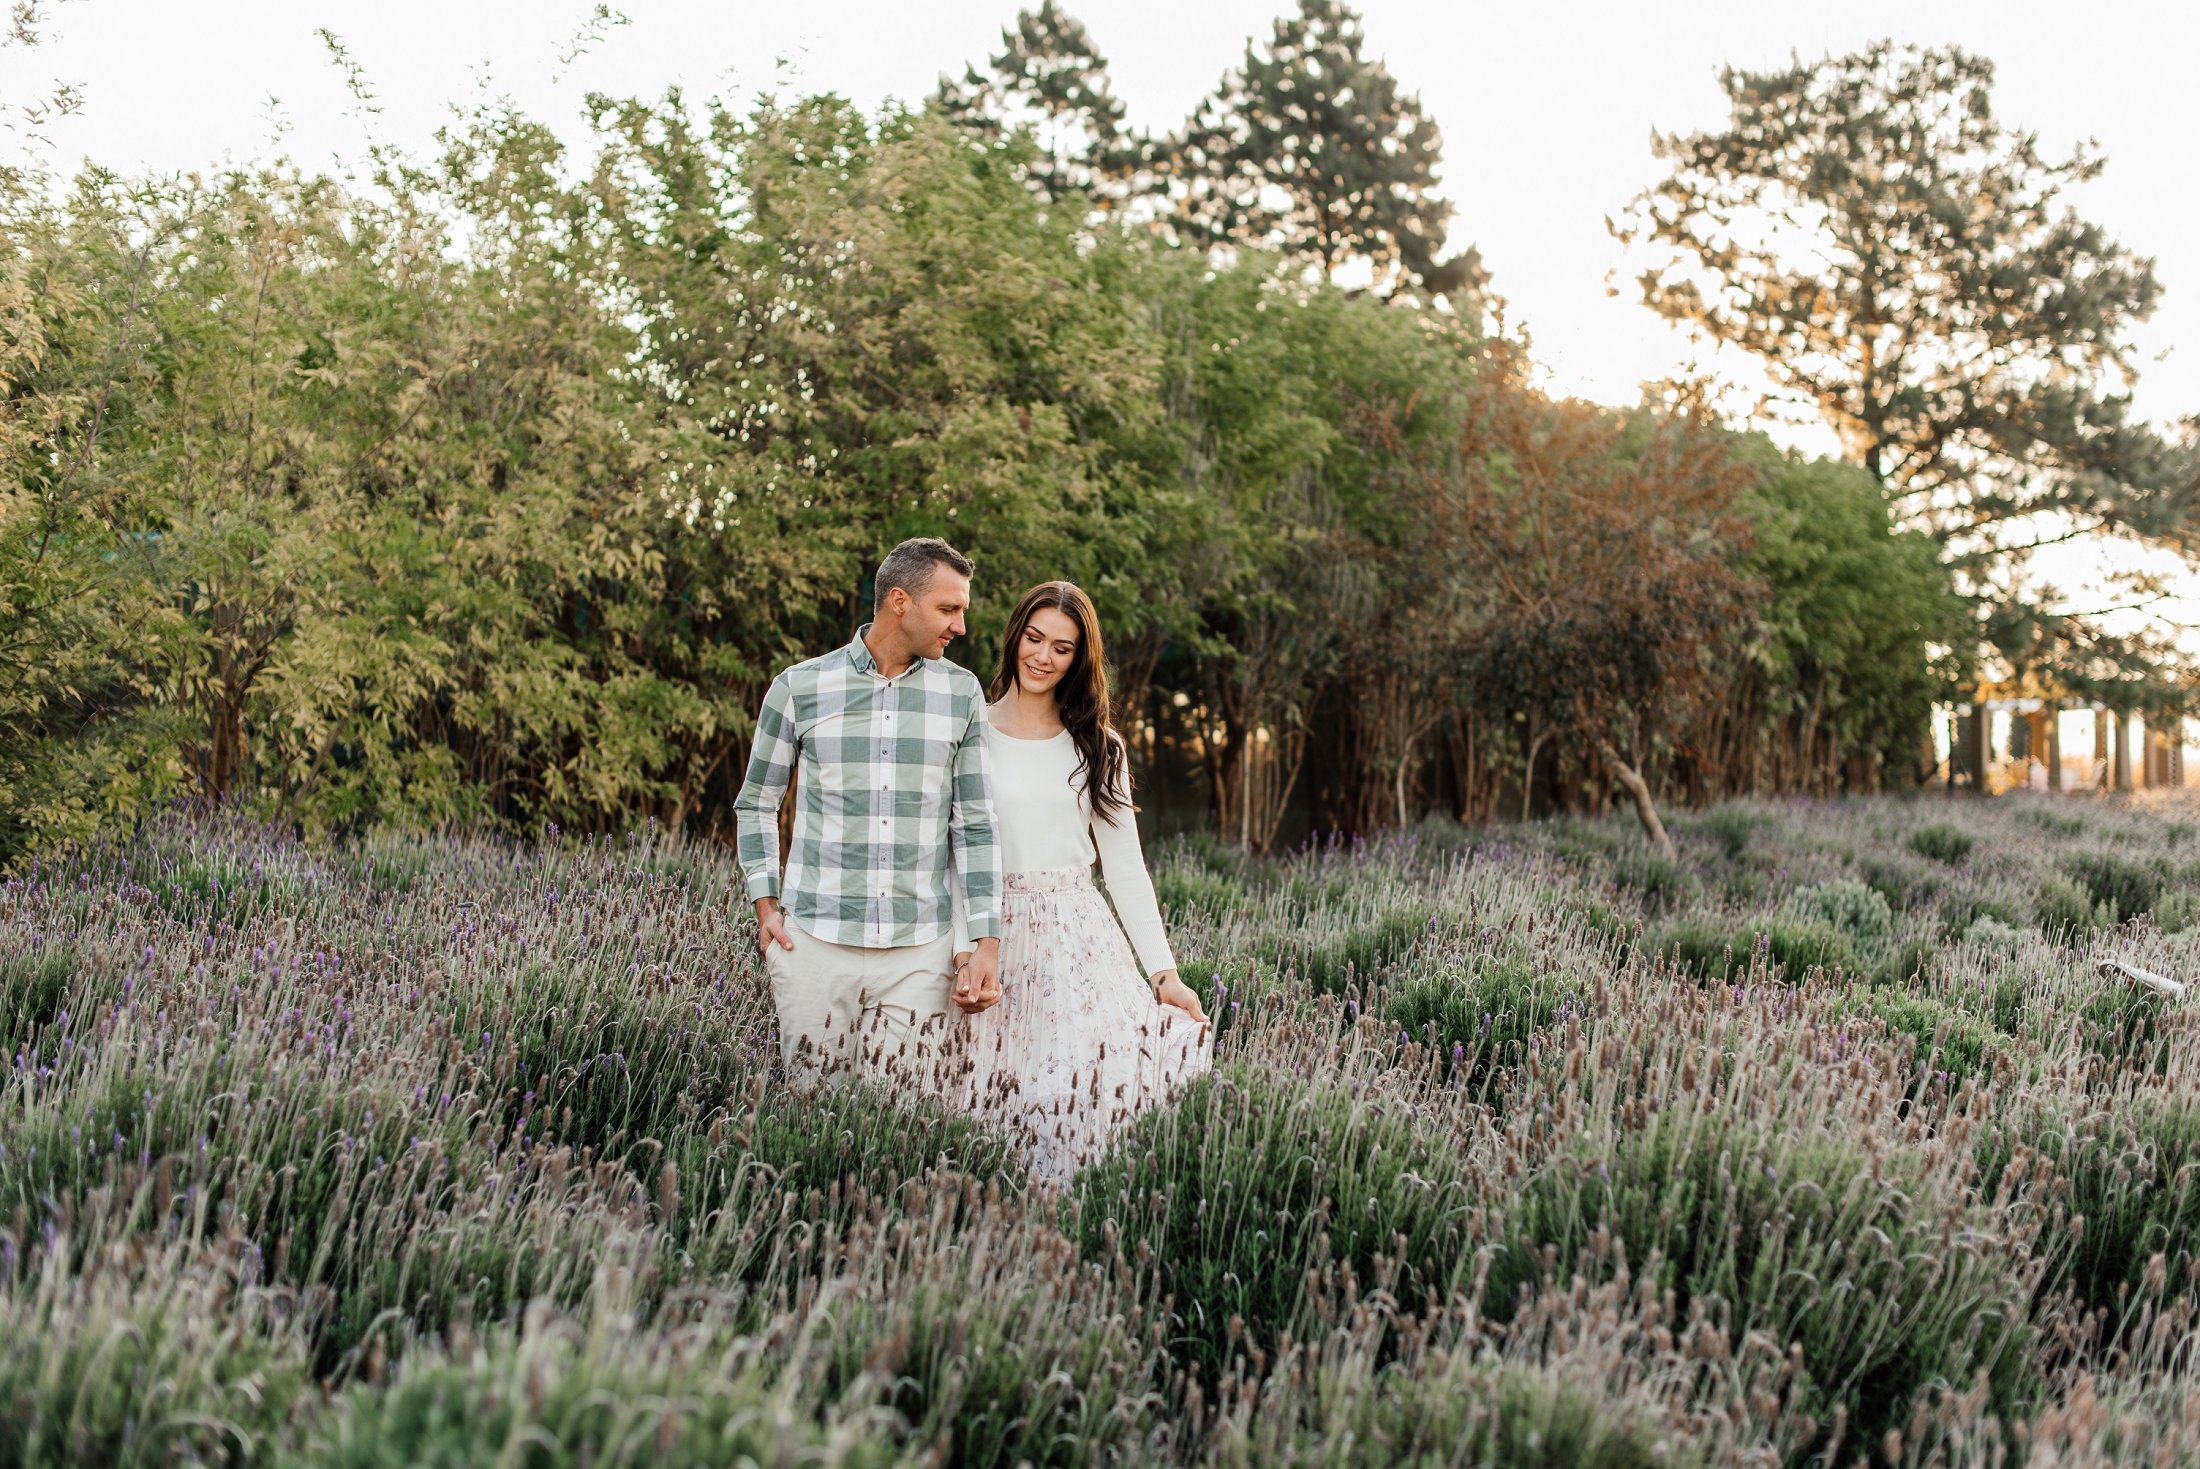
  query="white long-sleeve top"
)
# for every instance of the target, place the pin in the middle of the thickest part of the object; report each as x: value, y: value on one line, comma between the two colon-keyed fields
x: 1044, y: 820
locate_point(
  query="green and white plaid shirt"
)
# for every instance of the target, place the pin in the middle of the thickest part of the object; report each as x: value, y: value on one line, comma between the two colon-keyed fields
x: 893, y: 792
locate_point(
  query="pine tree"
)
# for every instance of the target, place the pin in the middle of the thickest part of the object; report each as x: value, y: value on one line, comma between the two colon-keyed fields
x: 1903, y: 262
x: 1313, y: 150
x: 1050, y: 77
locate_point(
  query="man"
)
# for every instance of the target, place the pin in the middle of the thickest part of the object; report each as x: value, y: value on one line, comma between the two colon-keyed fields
x: 892, y: 822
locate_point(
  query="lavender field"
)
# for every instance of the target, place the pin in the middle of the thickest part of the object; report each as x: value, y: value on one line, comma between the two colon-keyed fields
x: 1828, y: 1142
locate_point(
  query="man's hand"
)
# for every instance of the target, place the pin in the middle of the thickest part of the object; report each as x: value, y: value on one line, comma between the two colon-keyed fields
x: 1170, y: 989
x: 978, y: 982
x: 771, y: 926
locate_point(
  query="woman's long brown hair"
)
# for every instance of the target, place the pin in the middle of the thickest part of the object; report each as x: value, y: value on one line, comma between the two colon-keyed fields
x: 1080, y: 697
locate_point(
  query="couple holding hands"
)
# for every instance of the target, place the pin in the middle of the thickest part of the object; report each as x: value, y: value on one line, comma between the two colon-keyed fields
x: 941, y: 861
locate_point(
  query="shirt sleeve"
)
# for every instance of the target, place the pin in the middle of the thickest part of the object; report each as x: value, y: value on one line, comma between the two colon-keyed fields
x: 756, y: 808
x: 973, y: 837
x: 1123, y: 865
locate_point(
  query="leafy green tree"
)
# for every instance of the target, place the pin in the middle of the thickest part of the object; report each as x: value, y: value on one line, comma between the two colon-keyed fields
x: 1234, y: 461
x: 1312, y: 149
x: 481, y: 655
x: 1841, y: 681
x: 857, y: 333
x: 86, y: 653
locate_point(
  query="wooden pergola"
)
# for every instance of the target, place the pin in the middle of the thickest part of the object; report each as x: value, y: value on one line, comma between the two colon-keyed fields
x: 2037, y: 708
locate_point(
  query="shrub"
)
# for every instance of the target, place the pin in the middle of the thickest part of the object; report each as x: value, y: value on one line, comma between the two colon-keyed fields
x: 2177, y: 911
x: 1805, y: 1236
x: 2123, y: 886
x: 2123, y: 1024
x: 1994, y: 934
x: 2065, y: 909
x: 1850, y: 908
x: 1943, y: 842
x: 1481, y: 1019
x: 1656, y: 878
x: 1901, y: 881
x: 861, y: 1132
x: 1184, y: 890
x: 2053, y: 823
x: 553, y: 1395
x: 2132, y: 1174
x: 1372, y: 947
x: 1962, y: 908
x: 34, y: 990
x: 1743, y: 887
x: 983, y: 1332
x: 1733, y: 826
x: 1252, y: 1179
x: 1510, y: 1416
x: 1798, y: 948
x: 1332, y: 964
x: 1598, y: 918
x: 1578, y: 840
x: 1711, y: 951
x: 126, y: 1368
x: 1951, y: 1045
x: 1223, y: 859
x: 1701, y: 947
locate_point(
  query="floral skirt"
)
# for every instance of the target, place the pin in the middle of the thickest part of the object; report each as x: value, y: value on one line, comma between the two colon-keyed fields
x: 1078, y: 1044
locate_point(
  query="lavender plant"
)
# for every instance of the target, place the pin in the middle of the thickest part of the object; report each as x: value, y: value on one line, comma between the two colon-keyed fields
x: 1823, y: 1141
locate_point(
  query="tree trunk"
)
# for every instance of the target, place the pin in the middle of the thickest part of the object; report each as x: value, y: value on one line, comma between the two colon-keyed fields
x: 1134, y: 657
x: 1638, y: 788
x: 1405, y: 759
x: 1461, y: 745
x: 1527, y: 777
x: 226, y: 742
x: 1981, y: 750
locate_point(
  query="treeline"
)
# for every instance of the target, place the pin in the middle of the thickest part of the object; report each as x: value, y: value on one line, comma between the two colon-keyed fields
x: 497, y: 495
x: 494, y: 488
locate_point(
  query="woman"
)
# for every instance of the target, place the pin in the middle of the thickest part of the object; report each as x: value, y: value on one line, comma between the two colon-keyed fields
x: 1090, y: 1028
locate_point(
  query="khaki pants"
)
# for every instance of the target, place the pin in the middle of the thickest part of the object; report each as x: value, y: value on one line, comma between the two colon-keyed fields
x: 880, y: 1013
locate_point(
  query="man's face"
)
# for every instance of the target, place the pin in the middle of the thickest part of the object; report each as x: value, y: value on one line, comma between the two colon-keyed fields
x: 934, y: 617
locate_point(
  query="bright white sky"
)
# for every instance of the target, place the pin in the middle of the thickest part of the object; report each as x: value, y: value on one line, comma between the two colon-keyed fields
x: 1546, y: 110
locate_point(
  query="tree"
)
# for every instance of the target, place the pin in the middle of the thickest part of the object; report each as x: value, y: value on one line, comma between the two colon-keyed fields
x: 1604, y: 571
x: 88, y: 648
x: 1313, y: 150
x: 1898, y: 258
x: 1051, y: 78
x: 1839, y: 683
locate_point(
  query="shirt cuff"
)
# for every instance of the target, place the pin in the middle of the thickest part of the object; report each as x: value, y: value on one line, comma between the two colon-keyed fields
x: 982, y: 926
x: 763, y: 884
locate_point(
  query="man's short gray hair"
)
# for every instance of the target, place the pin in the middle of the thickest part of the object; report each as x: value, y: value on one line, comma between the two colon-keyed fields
x: 912, y: 565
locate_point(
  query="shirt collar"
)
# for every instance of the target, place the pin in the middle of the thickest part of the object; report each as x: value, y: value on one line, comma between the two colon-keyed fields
x: 859, y: 654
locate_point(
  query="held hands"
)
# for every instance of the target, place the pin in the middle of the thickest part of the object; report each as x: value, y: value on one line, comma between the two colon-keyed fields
x: 1171, y: 990
x: 978, y: 978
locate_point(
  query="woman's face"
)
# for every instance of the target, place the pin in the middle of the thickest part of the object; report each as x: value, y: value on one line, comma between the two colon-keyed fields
x: 1046, y: 651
